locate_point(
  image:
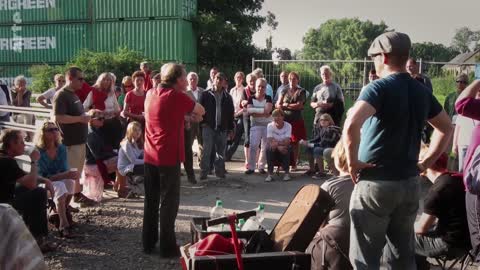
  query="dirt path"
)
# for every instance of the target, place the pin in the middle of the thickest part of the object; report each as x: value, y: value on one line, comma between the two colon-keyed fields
x: 111, y: 233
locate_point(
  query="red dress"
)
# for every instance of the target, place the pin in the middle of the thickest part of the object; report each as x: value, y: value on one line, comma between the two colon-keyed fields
x: 135, y: 103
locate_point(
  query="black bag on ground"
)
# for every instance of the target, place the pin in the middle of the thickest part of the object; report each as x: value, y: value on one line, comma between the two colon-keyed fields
x: 259, y: 242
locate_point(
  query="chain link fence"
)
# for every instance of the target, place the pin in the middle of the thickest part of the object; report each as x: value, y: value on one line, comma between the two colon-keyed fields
x: 352, y: 75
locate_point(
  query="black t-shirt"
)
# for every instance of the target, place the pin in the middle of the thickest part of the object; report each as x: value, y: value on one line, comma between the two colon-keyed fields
x: 11, y: 172
x: 446, y: 201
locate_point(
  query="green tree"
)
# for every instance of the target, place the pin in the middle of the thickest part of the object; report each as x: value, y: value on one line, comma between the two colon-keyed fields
x: 429, y: 51
x: 225, y: 29
x: 341, y: 39
x: 465, y: 40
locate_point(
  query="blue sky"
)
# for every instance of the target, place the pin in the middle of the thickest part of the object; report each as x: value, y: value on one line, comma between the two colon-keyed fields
x: 423, y: 20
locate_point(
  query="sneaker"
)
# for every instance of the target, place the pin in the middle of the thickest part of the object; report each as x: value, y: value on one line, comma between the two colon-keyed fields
x: 262, y: 171
x: 269, y: 178
x: 83, y: 200
x: 287, y: 177
x: 249, y: 171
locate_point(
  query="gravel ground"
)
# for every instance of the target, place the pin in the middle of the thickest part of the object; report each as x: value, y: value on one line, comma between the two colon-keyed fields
x: 110, y: 234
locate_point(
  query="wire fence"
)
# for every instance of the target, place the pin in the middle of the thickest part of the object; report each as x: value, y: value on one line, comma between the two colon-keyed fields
x: 352, y: 75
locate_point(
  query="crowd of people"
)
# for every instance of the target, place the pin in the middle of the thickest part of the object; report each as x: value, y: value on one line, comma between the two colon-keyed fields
x: 135, y: 138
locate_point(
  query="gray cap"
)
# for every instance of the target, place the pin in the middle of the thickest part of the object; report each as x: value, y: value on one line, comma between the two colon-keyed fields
x: 390, y: 43
x: 462, y: 77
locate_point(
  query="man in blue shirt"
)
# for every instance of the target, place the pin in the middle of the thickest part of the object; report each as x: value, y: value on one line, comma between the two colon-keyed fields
x: 382, y: 137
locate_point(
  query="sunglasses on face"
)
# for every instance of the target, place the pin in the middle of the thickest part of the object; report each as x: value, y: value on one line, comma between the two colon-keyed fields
x: 52, y: 129
x: 81, y: 79
x: 462, y: 82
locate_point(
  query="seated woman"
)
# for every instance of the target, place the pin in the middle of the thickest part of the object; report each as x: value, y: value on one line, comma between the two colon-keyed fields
x: 53, y: 165
x: 130, y: 157
x: 101, y: 161
x: 445, y: 206
x: 330, y: 246
x: 325, y: 137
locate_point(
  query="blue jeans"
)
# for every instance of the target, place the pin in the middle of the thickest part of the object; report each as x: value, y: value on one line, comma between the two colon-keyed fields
x: 382, y: 216
x: 213, y: 139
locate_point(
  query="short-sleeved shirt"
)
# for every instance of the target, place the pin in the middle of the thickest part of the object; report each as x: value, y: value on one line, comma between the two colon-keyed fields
x: 391, y: 138
x: 48, y: 167
x: 49, y: 94
x: 449, y: 105
x: 165, y: 110
x: 340, y: 188
x: 255, y: 103
x: 83, y: 92
x: 135, y: 103
x: 446, y: 201
x: 326, y: 93
x: 279, y: 134
x: 11, y: 172
x: 466, y: 126
x: 66, y: 102
x: 298, y: 96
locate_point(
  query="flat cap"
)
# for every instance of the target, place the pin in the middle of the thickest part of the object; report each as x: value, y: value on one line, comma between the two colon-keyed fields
x: 390, y: 43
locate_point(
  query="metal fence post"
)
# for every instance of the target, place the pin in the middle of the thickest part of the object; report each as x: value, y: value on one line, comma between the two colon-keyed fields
x: 364, y: 71
x: 253, y: 64
x: 420, y: 67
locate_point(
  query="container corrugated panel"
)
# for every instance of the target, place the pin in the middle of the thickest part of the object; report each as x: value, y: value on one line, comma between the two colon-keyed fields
x: 49, y: 43
x: 168, y: 40
x: 43, y: 11
x: 133, y: 9
x: 8, y: 73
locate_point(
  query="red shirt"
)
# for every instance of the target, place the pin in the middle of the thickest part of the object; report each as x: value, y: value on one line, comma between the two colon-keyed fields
x: 165, y: 109
x: 83, y: 93
x: 135, y: 103
x: 148, y: 81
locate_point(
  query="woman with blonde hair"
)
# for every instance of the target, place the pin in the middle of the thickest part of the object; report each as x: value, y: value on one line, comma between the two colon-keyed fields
x: 53, y: 166
x: 130, y: 157
x: 237, y: 94
x: 325, y: 137
x: 102, y: 97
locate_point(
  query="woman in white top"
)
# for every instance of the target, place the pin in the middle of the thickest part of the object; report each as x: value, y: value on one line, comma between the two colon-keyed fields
x: 46, y: 97
x: 259, y: 108
x: 237, y: 95
x: 102, y: 97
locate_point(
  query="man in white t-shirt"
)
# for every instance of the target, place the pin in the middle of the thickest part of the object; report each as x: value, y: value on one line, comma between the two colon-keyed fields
x: 47, y: 97
x: 278, y: 144
x: 462, y: 137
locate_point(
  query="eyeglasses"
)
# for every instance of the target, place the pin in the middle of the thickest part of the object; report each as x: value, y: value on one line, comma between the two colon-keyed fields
x: 51, y: 129
x: 462, y: 82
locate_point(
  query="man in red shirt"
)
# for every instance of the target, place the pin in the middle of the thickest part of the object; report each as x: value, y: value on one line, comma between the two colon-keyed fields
x: 145, y: 67
x: 165, y: 110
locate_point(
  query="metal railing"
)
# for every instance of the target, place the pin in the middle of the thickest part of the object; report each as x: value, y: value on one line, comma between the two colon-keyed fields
x: 351, y: 75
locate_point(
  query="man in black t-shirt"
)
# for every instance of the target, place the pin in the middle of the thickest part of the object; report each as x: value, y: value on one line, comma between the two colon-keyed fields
x: 20, y: 189
x: 444, y: 203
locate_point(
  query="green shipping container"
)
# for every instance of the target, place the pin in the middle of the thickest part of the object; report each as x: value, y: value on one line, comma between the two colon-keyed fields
x: 167, y: 40
x: 44, y: 11
x: 51, y: 43
x: 8, y: 74
x: 134, y: 9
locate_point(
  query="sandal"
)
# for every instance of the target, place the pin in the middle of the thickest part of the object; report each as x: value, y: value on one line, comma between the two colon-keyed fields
x: 66, y: 233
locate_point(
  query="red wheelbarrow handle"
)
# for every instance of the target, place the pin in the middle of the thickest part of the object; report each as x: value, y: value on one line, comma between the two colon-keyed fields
x: 231, y: 220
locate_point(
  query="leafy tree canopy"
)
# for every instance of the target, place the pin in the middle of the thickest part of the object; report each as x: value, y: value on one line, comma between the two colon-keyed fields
x: 341, y: 39
x: 225, y: 30
x: 429, y: 51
